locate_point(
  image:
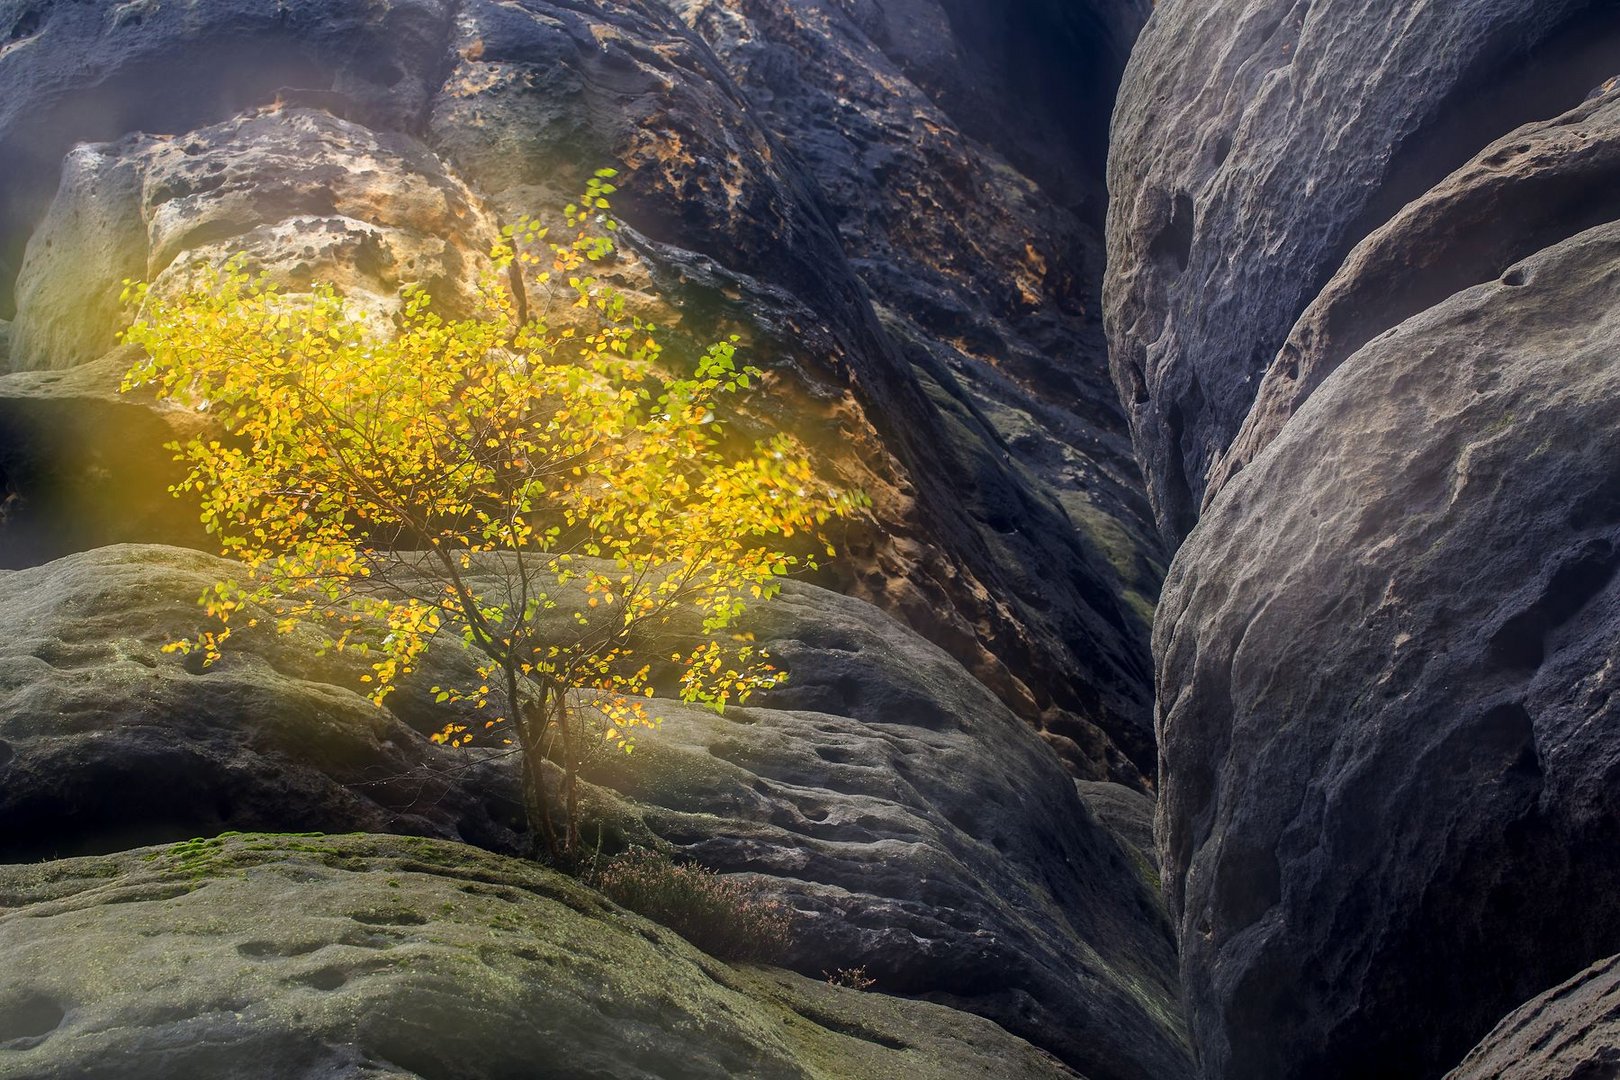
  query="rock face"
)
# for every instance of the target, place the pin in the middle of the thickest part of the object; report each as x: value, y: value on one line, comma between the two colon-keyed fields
x: 262, y: 955
x: 1384, y: 651
x: 1565, y: 1034
x: 108, y: 743
x: 983, y: 262
x: 306, y: 196
x: 74, y: 72
x: 1241, y: 181
x: 1537, y: 185
x: 918, y: 828
x: 925, y: 834
x: 1417, y: 648
x: 867, y: 195
x: 901, y: 214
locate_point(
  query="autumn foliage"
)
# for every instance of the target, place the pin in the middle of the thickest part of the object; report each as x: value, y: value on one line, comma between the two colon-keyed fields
x: 549, y: 492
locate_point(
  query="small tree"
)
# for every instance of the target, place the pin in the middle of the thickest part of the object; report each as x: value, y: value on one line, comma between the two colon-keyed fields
x: 550, y: 494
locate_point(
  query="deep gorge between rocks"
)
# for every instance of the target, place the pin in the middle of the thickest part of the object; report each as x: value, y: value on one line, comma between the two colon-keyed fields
x: 1221, y: 688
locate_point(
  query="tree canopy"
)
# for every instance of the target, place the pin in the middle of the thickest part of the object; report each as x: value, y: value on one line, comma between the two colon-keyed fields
x: 550, y: 491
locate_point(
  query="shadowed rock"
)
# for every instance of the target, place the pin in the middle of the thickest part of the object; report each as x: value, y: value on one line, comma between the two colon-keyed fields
x: 1256, y: 142
x: 1568, y: 1033
x: 1389, y: 739
x: 1526, y: 191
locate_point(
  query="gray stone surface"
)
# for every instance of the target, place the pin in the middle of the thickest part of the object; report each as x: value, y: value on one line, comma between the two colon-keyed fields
x: 1571, y: 1032
x: 1256, y: 142
x: 1534, y: 186
x: 919, y: 828
x: 364, y: 956
x: 1128, y: 814
x: 109, y: 743
x: 1368, y: 259
x: 993, y: 299
x: 1386, y: 655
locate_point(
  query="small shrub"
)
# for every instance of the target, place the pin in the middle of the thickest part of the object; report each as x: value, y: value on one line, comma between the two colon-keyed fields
x: 724, y: 918
x: 854, y: 978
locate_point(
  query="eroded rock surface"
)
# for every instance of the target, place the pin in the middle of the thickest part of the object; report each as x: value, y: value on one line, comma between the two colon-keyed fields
x: 865, y: 192
x: 111, y: 743
x: 1388, y: 812
x: 371, y: 956
x: 918, y: 828
x: 1360, y: 304
x: 786, y: 177
x: 1256, y: 143
x: 303, y: 195
x: 74, y: 72
x: 1529, y: 189
x: 982, y: 255
x: 1567, y: 1033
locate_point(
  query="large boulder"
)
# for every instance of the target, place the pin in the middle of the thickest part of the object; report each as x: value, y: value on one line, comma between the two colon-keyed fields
x: 1359, y: 302
x: 915, y: 825
x: 75, y: 72
x: 1529, y: 189
x: 1568, y: 1033
x: 107, y: 742
x: 1256, y: 142
x: 366, y: 956
x: 1385, y: 655
x: 302, y: 194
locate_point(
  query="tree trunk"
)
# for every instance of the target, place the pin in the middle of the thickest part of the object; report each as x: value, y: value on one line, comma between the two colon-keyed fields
x: 531, y: 725
x: 570, y: 776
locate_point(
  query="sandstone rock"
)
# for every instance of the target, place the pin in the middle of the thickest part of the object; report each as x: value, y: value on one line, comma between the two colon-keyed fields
x: 83, y: 72
x: 1388, y: 806
x: 305, y: 196
x: 1531, y: 188
x: 734, y: 197
x: 110, y: 743
x: 1256, y: 143
x: 302, y: 194
x: 1567, y: 1033
x: 927, y: 835
x: 368, y: 956
x: 920, y: 829
x: 1128, y: 814
x: 980, y: 247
